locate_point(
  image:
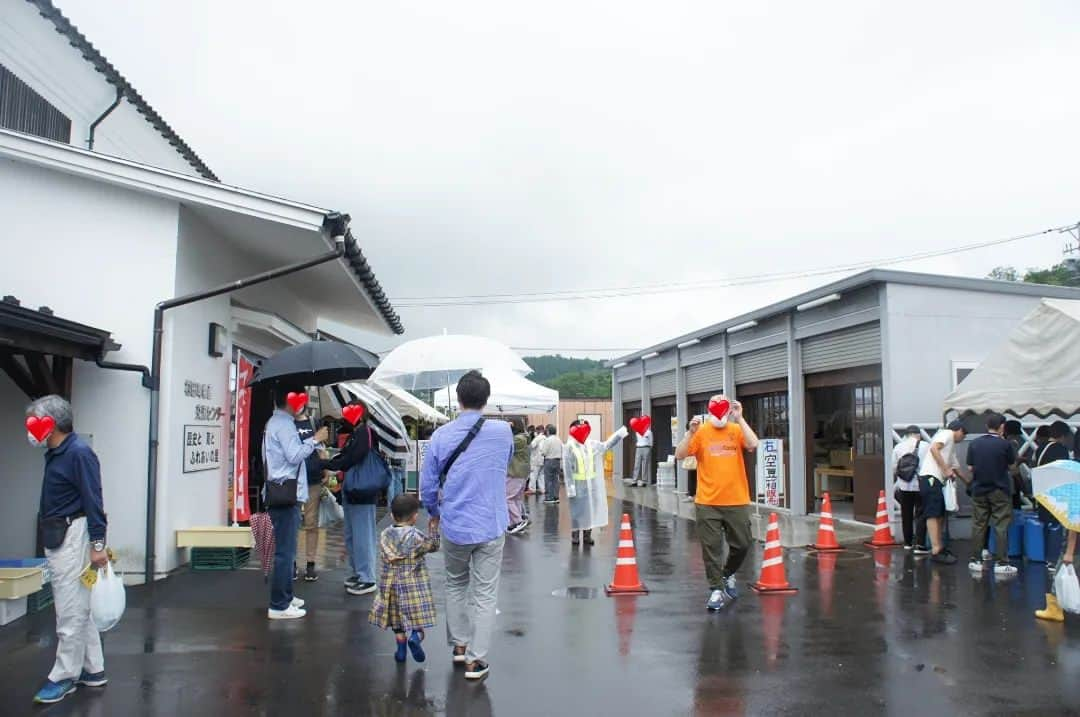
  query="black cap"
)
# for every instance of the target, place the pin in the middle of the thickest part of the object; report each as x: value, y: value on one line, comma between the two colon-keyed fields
x: 912, y: 430
x: 956, y: 425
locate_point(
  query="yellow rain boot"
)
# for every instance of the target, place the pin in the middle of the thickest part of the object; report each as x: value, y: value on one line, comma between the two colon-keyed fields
x: 1053, y: 611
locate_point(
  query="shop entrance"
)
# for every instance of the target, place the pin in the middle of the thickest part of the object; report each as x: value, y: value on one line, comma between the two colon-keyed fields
x: 630, y: 410
x: 845, y: 441
x: 662, y: 411
x: 765, y: 407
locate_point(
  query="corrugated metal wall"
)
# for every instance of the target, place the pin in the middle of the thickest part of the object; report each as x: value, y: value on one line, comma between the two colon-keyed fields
x: 705, y: 377
x: 858, y: 346
x: 662, y: 384
x: 761, y: 365
x: 23, y: 110
x: 631, y: 390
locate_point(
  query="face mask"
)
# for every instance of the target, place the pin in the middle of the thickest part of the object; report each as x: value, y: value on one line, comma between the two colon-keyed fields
x: 718, y: 422
x: 35, y: 442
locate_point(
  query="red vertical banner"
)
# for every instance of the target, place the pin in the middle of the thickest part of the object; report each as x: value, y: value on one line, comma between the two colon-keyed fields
x: 241, y: 508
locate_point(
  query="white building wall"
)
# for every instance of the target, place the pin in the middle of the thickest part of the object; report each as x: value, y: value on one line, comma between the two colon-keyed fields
x: 41, y: 57
x: 102, y: 256
x: 204, y: 260
x: 930, y: 328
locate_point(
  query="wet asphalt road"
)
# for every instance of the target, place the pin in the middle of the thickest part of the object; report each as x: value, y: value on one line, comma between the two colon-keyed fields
x: 864, y: 635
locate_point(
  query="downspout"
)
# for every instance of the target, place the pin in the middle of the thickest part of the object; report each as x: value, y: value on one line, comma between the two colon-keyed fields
x: 338, y: 226
x: 106, y: 113
x: 113, y: 366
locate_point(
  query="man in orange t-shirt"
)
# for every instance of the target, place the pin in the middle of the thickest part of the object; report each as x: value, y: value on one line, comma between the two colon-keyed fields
x: 723, y: 494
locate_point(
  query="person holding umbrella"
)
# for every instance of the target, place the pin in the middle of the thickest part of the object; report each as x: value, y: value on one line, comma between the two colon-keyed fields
x: 361, y: 538
x: 285, y: 455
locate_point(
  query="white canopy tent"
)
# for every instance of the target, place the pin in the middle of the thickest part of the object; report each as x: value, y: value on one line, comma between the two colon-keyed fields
x: 511, y: 393
x: 1035, y: 371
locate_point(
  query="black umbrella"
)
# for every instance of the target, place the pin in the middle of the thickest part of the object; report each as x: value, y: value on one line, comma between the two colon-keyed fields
x: 317, y: 363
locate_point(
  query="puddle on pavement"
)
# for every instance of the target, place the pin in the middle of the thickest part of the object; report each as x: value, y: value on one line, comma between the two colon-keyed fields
x: 576, y: 593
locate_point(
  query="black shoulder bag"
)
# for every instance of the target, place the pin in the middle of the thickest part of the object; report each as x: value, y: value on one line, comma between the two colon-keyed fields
x: 279, y: 495
x: 459, y: 450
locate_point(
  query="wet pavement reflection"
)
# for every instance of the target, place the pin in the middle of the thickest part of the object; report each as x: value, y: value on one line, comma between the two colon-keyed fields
x: 869, y: 632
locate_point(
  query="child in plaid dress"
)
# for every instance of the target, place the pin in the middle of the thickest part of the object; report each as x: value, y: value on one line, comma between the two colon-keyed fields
x: 404, y: 603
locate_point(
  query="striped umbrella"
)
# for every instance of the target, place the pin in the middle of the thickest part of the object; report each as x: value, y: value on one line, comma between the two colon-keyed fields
x: 262, y: 530
x: 384, y: 419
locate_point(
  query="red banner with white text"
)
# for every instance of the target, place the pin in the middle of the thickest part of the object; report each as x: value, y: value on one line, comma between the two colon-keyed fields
x: 241, y: 504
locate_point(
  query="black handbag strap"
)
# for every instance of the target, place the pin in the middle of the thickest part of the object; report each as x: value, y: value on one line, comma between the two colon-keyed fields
x: 459, y: 450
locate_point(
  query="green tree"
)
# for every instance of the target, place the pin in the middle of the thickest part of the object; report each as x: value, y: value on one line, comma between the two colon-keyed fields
x: 1067, y: 273
x: 1004, y: 273
x: 571, y: 377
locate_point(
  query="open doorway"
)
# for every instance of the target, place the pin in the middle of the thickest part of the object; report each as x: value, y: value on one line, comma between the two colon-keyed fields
x: 845, y: 441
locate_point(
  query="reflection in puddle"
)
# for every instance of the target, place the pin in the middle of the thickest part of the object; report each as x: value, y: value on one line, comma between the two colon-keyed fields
x: 576, y: 593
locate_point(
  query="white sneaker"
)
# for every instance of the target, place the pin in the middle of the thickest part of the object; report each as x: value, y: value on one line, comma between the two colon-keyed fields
x: 297, y: 602
x: 290, y: 613
x: 986, y: 554
x: 975, y: 566
x: 1004, y: 569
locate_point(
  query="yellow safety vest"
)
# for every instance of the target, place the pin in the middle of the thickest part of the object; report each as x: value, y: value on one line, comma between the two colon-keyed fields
x: 586, y: 468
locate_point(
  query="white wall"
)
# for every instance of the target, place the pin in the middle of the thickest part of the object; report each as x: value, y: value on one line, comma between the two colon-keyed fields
x: 928, y: 329
x: 44, y: 59
x: 101, y: 256
x: 204, y: 259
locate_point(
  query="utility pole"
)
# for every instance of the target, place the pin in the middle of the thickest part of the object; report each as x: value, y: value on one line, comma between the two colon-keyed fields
x: 1072, y: 245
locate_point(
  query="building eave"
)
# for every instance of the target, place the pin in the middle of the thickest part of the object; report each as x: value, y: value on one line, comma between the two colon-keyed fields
x: 92, y: 55
x: 858, y: 281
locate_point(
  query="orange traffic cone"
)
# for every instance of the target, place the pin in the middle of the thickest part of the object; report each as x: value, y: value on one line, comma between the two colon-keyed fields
x: 626, y: 580
x: 883, y: 537
x: 773, y: 579
x: 826, y: 532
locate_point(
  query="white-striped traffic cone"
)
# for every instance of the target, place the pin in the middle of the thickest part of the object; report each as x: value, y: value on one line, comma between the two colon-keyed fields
x: 773, y: 578
x: 626, y: 580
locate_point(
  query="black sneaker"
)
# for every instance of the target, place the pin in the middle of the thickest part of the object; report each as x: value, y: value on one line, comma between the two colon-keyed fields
x: 351, y: 582
x: 310, y: 575
x: 943, y: 558
x: 360, y: 588
x: 295, y: 573
x: 477, y: 670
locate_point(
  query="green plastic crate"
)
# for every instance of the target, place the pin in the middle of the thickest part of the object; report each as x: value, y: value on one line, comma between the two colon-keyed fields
x: 36, y: 602
x: 219, y: 558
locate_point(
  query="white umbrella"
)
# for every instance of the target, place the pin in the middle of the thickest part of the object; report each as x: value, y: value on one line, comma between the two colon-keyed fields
x: 1057, y: 487
x: 510, y: 394
x: 439, y: 361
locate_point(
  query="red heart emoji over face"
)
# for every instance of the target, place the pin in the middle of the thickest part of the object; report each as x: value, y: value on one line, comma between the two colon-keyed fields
x: 40, y: 428
x: 641, y: 425
x: 353, y: 413
x: 581, y: 432
x: 296, y: 401
x: 720, y: 408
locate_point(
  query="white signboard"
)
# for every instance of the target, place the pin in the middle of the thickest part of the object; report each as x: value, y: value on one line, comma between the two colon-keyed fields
x: 770, y: 472
x: 202, y: 448
x: 422, y: 447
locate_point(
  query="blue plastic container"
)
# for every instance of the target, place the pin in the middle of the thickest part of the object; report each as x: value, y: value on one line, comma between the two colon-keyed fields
x: 1016, y: 536
x: 1034, y: 540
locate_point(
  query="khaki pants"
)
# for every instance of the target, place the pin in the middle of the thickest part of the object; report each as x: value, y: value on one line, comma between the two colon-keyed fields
x: 993, y: 509
x: 717, y: 524
x: 78, y: 642
x: 310, y: 525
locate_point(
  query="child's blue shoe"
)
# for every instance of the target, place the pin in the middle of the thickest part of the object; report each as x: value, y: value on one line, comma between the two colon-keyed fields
x: 417, y: 649
x: 400, y: 654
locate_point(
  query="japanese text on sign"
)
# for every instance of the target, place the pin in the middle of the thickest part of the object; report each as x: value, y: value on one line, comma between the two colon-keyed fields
x: 193, y: 389
x: 770, y: 472
x: 202, y: 448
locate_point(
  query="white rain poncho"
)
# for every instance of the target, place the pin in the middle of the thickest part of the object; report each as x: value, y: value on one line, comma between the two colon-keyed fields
x: 583, y: 468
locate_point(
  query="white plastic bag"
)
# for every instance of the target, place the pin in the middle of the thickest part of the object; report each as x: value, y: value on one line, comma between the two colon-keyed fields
x: 330, y: 513
x: 1067, y: 588
x: 107, y: 599
x: 571, y: 489
x: 951, y: 504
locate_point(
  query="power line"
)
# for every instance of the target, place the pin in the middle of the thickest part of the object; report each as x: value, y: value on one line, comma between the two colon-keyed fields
x: 677, y: 287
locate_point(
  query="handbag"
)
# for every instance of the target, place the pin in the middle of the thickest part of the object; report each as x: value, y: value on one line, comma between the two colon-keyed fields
x: 54, y: 530
x: 279, y: 495
x: 366, y: 480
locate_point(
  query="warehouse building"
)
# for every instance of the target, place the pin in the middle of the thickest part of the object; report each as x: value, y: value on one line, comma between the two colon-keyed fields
x: 833, y: 373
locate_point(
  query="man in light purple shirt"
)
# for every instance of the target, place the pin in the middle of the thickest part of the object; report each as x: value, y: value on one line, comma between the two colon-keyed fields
x: 472, y: 514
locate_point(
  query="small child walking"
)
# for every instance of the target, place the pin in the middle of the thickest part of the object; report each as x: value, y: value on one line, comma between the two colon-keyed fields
x: 404, y: 602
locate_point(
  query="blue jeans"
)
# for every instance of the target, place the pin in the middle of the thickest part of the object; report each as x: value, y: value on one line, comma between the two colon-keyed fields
x: 286, y: 524
x: 397, y: 484
x: 361, y: 542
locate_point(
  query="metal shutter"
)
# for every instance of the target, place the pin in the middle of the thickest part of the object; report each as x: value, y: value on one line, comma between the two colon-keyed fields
x: 705, y: 377
x: 857, y: 346
x: 631, y: 390
x: 761, y: 365
x: 662, y: 384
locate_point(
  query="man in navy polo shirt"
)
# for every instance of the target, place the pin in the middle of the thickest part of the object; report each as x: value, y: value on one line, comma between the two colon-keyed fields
x: 72, y: 516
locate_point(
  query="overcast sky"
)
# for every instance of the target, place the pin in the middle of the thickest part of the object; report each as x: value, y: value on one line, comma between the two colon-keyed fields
x: 496, y: 147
